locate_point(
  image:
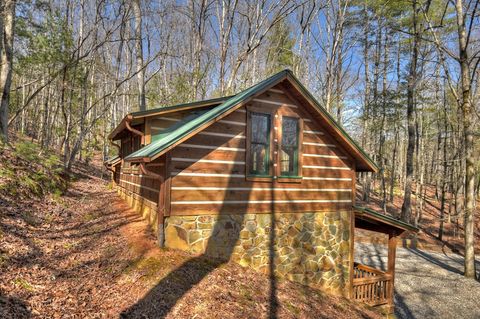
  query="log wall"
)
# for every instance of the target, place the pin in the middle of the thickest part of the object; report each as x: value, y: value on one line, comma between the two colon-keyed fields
x: 208, y: 171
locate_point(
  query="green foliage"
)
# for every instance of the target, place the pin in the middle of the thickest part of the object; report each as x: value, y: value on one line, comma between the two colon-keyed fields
x: 27, y: 151
x: 31, y: 171
x: 89, y: 217
x: 280, y: 53
x: 3, y: 259
x: 49, y: 44
x: 181, y: 89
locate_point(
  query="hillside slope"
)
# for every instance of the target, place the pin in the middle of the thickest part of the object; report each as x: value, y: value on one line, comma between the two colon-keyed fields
x: 81, y: 252
x: 427, y: 238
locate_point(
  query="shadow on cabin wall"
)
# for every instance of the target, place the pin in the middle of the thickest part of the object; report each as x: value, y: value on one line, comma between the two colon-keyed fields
x: 158, y: 302
x: 225, y: 234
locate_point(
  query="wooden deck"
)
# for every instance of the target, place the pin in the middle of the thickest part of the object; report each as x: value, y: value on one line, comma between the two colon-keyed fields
x: 372, y: 286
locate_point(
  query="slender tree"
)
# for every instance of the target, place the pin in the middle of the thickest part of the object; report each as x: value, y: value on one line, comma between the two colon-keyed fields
x: 464, y: 35
x: 406, y: 213
x: 7, y: 18
x: 137, y: 12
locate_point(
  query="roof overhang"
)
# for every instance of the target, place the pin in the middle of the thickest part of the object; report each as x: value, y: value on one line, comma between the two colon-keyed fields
x: 138, y: 117
x: 113, y: 161
x: 369, y: 219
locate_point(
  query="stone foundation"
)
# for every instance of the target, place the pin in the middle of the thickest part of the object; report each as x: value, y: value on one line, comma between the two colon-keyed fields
x: 146, y: 208
x: 310, y: 248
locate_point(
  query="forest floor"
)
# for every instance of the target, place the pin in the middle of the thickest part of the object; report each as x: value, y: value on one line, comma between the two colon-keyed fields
x: 82, y: 253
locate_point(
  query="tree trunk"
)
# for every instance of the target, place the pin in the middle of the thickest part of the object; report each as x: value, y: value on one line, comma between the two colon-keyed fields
x: 7, y: 18
x: 139, y: 54
x: 467, y: 114
x: 366, y: 116
x: 411, y: 87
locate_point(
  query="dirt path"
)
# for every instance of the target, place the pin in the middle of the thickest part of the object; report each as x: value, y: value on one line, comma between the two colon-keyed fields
x: 86, y: 255
x: 427, y: 284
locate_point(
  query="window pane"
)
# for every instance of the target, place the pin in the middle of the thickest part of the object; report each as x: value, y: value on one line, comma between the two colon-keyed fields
x: 289, y: 131
x: 287, y: 161
x: 289, y: 147
x: 259, y: 144
x: 260, y: 127
x: 259, y: 159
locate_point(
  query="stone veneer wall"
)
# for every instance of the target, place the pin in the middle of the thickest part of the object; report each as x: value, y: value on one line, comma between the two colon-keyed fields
x: 146, y: 208
x: 310, y: 248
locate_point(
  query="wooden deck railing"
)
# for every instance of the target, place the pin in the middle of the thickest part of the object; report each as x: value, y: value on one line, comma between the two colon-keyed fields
x: 371, y: 286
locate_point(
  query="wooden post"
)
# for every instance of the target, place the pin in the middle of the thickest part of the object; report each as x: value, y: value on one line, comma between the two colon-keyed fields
x: 351, y: 253
x: 392, y: 249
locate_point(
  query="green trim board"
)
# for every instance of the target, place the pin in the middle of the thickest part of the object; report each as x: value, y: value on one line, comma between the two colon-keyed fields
x: 158, y: 147
x: 388, y: 220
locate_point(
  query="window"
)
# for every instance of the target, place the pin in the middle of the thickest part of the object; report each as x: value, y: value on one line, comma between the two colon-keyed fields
x: 289, y: 147
x: 274, y: 146
x: 259, y: 157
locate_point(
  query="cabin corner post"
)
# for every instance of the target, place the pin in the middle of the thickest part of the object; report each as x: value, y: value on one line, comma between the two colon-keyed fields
x: 161, y: 216
x: 392, y: 249
x: 164, y: 201
x: 351, y: 254
x: 160, y: 205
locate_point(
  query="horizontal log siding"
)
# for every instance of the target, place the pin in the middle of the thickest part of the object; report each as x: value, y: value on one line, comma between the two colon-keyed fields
x: 208, y: 171
x: 141, y: 186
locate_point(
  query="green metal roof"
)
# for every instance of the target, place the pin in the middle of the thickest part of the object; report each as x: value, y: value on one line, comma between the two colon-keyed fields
x: 161, y: 144
x: 172, y: 136
x: 388, y: 219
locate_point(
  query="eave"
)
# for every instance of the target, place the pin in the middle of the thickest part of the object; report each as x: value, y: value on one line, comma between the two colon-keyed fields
x: 382, y: 223
x: 137, y: 117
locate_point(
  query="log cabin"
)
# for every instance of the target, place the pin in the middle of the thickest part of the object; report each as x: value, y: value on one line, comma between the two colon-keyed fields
x: 265, y: 178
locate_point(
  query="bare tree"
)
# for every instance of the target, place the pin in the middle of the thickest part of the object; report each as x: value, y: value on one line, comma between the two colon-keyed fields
x: 7, y: 18
x: 137, y: 12
x: 464, y: 34
x: 406, y: 214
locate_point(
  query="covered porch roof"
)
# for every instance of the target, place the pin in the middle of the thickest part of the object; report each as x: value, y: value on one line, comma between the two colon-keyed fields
x: 369, y: 219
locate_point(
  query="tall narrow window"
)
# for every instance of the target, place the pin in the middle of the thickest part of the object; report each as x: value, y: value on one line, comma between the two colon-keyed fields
x: 289, y: 147
x: 259, y: 144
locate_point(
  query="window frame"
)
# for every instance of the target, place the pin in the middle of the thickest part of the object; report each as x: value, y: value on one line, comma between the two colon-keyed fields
x: 299, y: 176
x: 270, y: 175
